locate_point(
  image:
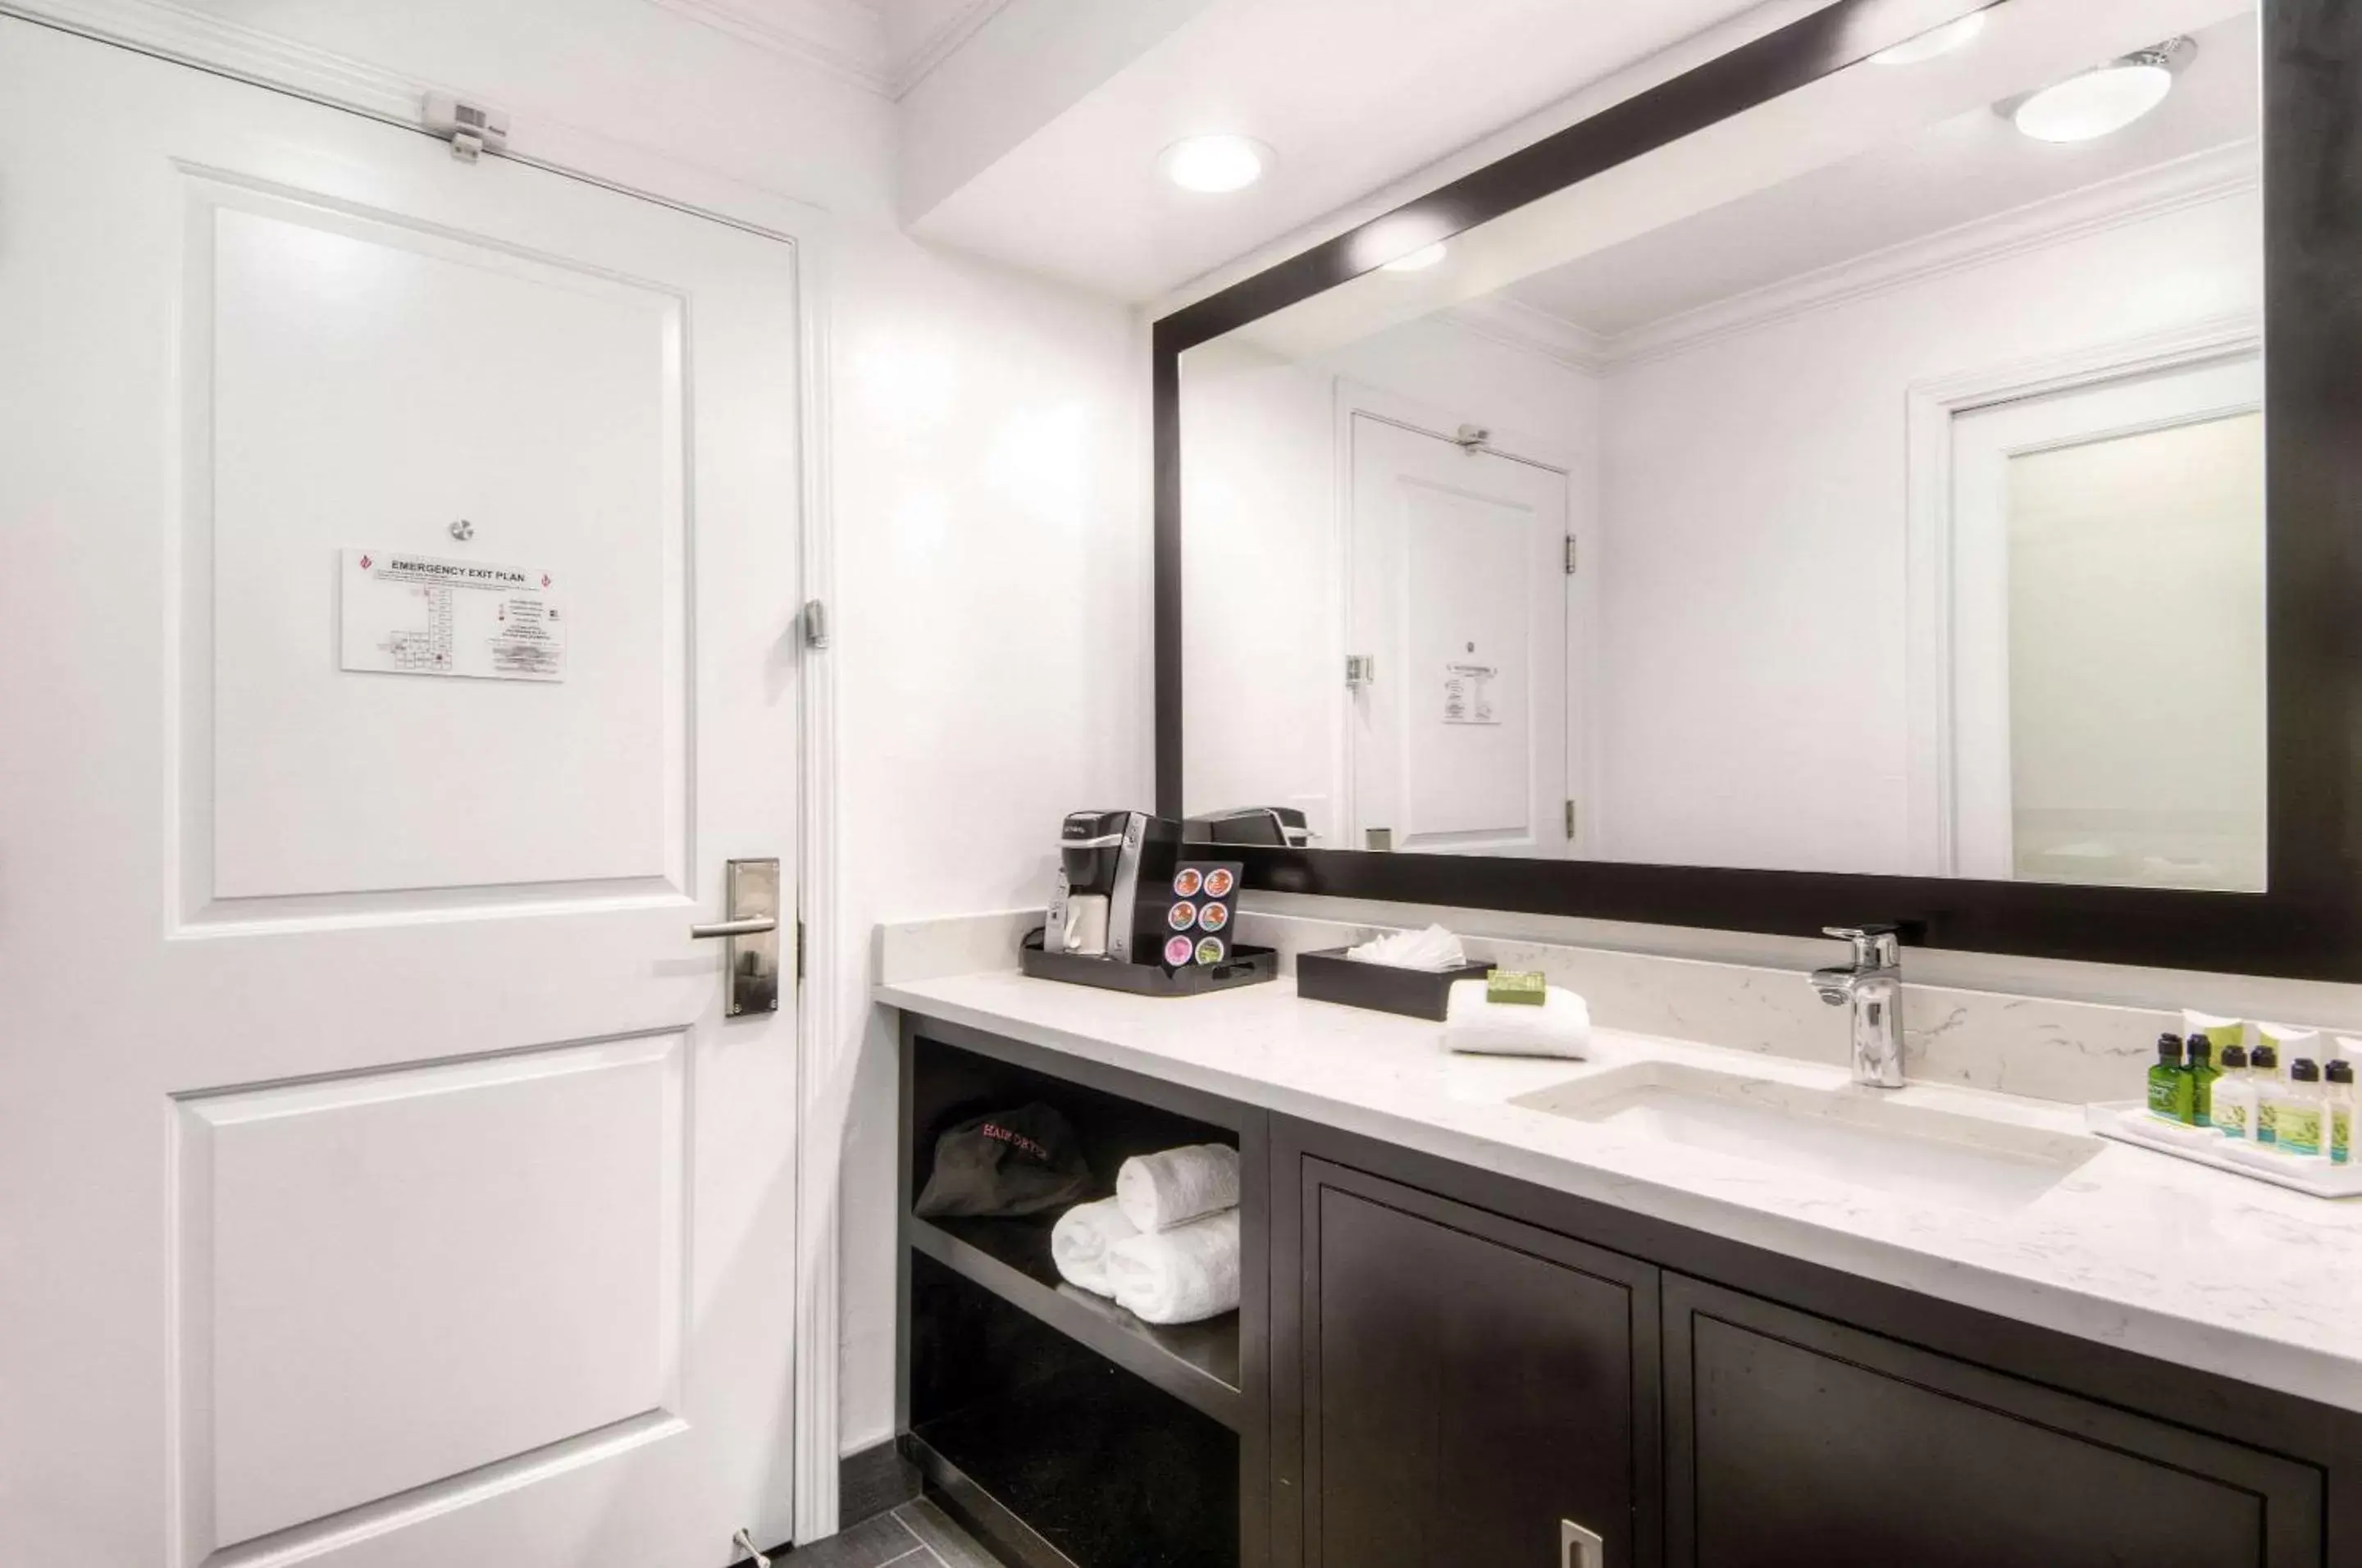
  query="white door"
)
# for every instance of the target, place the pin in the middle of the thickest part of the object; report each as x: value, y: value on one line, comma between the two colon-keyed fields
x: 2107, y: 637
x: 382, y: 1185
x: 1458, y: 729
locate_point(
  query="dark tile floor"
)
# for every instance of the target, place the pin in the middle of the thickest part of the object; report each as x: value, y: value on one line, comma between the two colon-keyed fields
x: 916, y: 1535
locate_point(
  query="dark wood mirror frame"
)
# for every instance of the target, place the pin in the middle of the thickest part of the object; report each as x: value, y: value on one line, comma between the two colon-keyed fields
x: 2309, y: 923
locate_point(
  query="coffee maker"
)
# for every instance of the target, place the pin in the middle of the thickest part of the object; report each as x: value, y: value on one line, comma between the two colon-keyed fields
x: 1106, y: 860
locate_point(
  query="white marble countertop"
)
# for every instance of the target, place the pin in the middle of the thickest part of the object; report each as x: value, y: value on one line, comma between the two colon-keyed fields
x: 2132, y: 1248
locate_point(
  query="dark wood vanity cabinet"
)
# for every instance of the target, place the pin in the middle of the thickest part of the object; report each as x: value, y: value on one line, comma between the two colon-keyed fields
x: 1435, y: 1365
x: 1455, y: 1373
x: 1785, y: 1431
x: 1468, y: 1383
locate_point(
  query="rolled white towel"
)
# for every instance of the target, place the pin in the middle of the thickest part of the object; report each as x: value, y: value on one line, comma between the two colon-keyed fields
x: 1080, y: 1240
x: 1157, y: 1192
x: 1182, y: 1276
x: 1560, y: 1027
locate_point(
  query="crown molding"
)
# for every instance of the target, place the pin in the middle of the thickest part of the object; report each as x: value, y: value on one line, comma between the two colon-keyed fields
x: 2195, y: 181
x: 1511, y: 322
x: 940, y: 44
x: 846, y: 39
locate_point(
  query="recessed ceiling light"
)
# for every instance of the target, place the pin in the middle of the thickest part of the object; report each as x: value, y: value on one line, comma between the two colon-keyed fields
x: 2103, y: 100
x: 1418, y: 260
x: 1933, y: 42
x: 1215, y: 164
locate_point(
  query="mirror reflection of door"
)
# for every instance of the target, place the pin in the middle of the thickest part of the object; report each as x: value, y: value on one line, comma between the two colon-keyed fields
x: 1457, y: 736
x: 2108, y: 633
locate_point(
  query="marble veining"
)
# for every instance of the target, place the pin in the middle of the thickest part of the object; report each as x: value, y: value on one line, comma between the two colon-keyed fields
x: 2129, y: 1247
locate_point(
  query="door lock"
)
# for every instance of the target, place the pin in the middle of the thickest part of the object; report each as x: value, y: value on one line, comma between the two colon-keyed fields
x: 752, y: 934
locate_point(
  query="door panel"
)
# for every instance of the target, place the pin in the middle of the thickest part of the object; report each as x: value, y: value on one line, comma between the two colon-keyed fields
x: 358, y: 383
x: 1469, y: 1383
x: 1791, y: 1438
x: 335, y: 1300
x: 383, y: 1184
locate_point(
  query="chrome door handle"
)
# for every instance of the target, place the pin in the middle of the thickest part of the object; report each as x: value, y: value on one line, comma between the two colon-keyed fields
x: 751, y: 927
x: 1580, y: 1548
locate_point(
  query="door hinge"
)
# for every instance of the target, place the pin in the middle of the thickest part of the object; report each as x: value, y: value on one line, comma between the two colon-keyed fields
x: 1570, y: 555
x: 799, y: 953
x: 472, y: 130
x: 815, y: 625
x: 1570, y: 829
x: 1361, y: 670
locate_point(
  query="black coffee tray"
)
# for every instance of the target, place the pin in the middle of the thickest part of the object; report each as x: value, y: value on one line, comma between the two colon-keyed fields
x: 1244, y: 966
x: 1330, y: 977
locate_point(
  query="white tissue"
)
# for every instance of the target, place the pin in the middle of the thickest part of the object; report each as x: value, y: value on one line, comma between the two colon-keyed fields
x: 1434, y: 948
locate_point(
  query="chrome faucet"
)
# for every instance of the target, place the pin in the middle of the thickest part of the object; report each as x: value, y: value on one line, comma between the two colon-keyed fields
x: 1874, y: 984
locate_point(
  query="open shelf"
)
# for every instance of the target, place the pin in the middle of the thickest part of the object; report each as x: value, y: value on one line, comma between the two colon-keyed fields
x: 1085, y: 1472
x: 1196, y: 1363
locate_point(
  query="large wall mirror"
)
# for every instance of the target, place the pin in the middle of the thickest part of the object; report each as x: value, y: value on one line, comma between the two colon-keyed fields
x: 1853, y: 490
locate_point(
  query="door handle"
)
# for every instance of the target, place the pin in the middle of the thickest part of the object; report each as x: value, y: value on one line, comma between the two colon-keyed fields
x: 751, y: 929
x: 1580, y: 1548
x: 753, y: 926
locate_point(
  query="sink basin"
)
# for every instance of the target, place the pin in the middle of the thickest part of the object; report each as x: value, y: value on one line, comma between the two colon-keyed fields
x: 1858, y: 1136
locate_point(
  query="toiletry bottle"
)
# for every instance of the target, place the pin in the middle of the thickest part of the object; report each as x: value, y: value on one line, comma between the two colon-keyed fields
x: 2202, y: 1076
x: 2338, y: 1095
x: 2169, y: 1085
x: 2234, y: 1096
x: 2301, y: 1111
x: 2264, y: 1071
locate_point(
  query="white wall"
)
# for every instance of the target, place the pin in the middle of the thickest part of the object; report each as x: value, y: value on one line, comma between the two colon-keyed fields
x: 1263, y: 559
x: 989, y: 471
x: 1753, y: 690
x: 992, y: 653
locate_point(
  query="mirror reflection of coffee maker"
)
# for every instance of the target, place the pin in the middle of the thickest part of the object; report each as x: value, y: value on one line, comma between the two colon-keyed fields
x: 1104, y: 860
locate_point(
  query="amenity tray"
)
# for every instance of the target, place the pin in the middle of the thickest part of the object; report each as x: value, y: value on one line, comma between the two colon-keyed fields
x: 2128, y: 1121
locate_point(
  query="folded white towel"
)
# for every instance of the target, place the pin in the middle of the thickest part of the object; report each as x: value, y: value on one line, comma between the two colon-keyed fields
x: 1157, y: 1192
x: 1182, y: 1276
x: 1560, y: 1027
x: 1080, y: 1240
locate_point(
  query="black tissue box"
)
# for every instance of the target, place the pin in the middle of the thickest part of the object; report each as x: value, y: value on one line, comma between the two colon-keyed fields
x: 1415, y: 993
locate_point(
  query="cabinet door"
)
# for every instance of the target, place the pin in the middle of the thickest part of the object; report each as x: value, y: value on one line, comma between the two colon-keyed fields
x: 1792, y: 1439
x: 1470, y: 1385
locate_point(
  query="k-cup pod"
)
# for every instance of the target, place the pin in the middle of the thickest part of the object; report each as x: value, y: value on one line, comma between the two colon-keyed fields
x: 1188, y: 880
x: 1213, y: 917
x: 1178, y: 952
x: 1219, y: 882
x: 1181, y: 916
x: 1211, y: 949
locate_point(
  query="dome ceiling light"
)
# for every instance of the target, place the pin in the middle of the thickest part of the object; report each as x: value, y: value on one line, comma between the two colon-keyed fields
x: 1935, y: 42
x: 1216, y: 164
x: 2103, y: 100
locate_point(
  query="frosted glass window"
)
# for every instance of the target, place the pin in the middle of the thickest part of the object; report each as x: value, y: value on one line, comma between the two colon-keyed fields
x: 2137, y: 659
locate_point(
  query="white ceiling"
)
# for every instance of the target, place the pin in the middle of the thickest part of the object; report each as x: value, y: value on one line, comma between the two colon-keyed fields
x: 1970, y: 167
x: 1351, y: 94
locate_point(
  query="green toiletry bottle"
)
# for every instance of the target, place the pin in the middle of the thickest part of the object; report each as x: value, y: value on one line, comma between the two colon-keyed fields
x: 2202, y: 1074
x: 2339, y: 1094
x: 2264, y: 1066
x: 2168, y: 1083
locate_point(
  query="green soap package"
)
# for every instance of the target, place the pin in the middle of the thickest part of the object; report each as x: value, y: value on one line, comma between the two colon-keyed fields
x: 1524, y: 987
